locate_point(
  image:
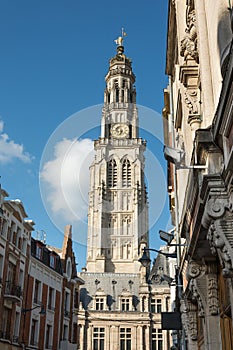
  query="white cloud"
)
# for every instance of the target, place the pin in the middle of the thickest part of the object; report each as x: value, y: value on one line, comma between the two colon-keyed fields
x: 65, y: 179
x: 9, y: 150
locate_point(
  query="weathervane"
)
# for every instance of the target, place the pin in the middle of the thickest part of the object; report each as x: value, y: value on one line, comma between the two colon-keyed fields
x: 120, y: 39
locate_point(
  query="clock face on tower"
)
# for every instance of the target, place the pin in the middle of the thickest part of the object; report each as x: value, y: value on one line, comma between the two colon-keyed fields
x: 119, y: 130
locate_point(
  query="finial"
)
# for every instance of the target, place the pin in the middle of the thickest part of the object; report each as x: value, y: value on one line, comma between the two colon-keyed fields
x: 120, y: 39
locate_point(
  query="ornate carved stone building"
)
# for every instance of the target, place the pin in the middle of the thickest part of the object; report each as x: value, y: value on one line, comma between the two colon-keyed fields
x: 198, y: 128
x: 120, y: 310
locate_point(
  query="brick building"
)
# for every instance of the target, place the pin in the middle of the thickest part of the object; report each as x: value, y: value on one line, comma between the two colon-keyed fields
x: 39, y: 287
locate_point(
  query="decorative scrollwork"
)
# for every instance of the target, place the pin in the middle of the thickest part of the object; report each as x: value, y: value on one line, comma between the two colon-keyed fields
x: 191, y: 101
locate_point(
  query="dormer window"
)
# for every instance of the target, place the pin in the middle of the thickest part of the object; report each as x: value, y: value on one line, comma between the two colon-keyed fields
x: 125, y: 304
x: 39, y: 252
x: 126, y: 301
x: 100, y: 300
x: 52, y: 261
x: 99, y: 303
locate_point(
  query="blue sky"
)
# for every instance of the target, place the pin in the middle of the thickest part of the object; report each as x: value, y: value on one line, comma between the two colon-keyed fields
x: 54, y: 57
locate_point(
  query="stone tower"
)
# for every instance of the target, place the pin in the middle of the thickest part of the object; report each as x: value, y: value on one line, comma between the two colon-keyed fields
x: 118, y: 210
x: 119, y: 309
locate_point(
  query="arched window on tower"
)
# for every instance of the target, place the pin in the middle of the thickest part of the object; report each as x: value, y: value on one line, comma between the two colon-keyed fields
x: 126, y: 173
x: 117, y: 95
x: 112, y: 173
x: 116, y: 86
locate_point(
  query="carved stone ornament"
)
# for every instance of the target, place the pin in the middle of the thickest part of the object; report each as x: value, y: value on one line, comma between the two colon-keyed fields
x: 189, y: 318
x: 230, y: 204
x: 188, y: 48
x: 220, y: 237
x: 214, y: 209
x: 213, y: 302
x: 194, y: 270
x: 196, y: 297
x: 191, y: 101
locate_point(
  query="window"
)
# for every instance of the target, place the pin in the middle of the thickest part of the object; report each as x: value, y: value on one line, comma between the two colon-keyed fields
x: 76, y: 298
x: 125, y: 304
x: 16, y: 327
x: 125, y: 338
x: 156, y: 305
x: 65, y: 332
x: 24, y: 246
x: 11, y: 273
x: 48, y: 336
x: 37, y: 292
x: 39, y: 252
x: 68, y: 268
x: 52, y: 261
x: 34, y: 329
x: 112, y: 173
x: 21, y: 278
x: 6, y: 323
x: 51, y: 299
x: 98, y: 338
x: 157, y: 339
x: 1, y: 267
x: 75, y: 333
x: 67, y: 304
x: 116, y: 85
x: 99, y: 303
x: 126, y: 173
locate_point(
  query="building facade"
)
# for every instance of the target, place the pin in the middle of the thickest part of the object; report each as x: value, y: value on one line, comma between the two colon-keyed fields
x: 119, y: 309
x: 15, y: 234
x: 39, y: 286
x: 198, y: 135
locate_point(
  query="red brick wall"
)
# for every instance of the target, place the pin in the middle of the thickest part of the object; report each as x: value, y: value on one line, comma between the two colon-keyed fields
x: 57, y: 314
x: 43, y: 317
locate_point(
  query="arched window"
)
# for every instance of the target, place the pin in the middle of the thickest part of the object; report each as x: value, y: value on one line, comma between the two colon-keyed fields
x: 112, y: 173
x: 126, y: 173
x: 116, y: 86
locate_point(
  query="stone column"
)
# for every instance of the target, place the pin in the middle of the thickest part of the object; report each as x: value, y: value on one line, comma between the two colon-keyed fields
x: 134, y: 337
x: 140, y: 337
x: 81, y: 336
x: 107, y: 338
x: 113, y: 336
x: 89, y: 337
x: 147, y: 337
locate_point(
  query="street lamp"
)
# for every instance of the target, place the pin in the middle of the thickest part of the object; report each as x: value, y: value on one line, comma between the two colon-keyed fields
x: 145, y: 260
x: 42, y: 311
x: 168, y: 237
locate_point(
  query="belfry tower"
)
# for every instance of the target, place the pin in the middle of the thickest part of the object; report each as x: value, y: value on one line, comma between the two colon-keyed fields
x: 119, y: 309
x: 118, y: 208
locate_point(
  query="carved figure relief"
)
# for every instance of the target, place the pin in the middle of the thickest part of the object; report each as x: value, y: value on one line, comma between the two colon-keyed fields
x: 188, y: 48
x: 220, y: 238
x: 196, y: 297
